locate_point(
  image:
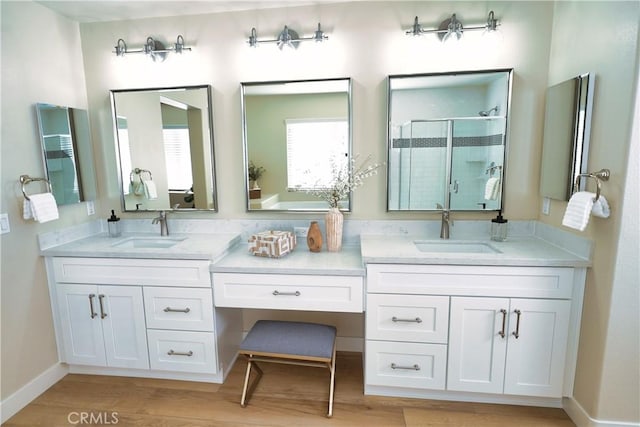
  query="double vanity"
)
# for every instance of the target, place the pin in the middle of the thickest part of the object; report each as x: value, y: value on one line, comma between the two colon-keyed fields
x: 457, y: 319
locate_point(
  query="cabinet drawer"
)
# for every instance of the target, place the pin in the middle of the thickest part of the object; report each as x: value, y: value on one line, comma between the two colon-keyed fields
x: 188, y: 309
x: 408, y: 365
x: 533, y: 282
x: 415, y: 318
x: 121, y: 271
x: 182, y: 351
x: 289, y: 292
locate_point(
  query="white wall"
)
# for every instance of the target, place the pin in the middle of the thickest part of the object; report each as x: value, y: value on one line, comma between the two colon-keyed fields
x: 621, y: 370
x: 41, y: 62
x: 602, y: 38
x: 367, y: 43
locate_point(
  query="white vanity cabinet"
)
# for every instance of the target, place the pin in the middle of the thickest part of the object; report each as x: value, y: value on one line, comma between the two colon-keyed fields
x: 289, y: 291
x: 180, y: 326
x: 451, y: 331
x: 103, y: 325
x: 154, y: 317
x: 513, y: 346
x: 406, y: 340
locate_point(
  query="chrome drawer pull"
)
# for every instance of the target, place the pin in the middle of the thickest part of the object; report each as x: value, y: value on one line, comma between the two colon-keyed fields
x: 93, y: 313
x: 504, y: 321
x: 516, y: 333
x: 177, y: 353
x: 415, y: 367
x: 416, y: 320
x: 102, y: 313
x: 177, y: 310
x: 295, y: 294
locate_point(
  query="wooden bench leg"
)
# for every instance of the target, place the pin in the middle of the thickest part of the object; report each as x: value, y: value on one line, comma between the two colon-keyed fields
x: 247, y: 390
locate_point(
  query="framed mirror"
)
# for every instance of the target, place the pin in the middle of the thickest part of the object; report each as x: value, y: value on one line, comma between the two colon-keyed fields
x: 296, y: 134
x: 567, y: 127
x: 164, y: 140
x: 67, y: 152
x: 447, y: 138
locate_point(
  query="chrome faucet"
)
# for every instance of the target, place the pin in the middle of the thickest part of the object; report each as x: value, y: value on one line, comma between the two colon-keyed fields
x: 162, y: 219
x: 446, y: 221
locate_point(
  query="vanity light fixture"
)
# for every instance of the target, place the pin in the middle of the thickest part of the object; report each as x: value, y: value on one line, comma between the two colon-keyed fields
x: 452, y: 28
x: 287, y: 37
x: 154, y: 48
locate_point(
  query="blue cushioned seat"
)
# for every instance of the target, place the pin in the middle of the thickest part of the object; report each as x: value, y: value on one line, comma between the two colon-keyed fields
x: 290, y: 338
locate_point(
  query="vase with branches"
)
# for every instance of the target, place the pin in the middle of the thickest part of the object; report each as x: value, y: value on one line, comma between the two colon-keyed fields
x: 345, y: 177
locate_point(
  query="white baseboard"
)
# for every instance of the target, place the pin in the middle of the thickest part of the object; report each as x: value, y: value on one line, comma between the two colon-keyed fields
x: 582, y: 419
x: 34, y: 388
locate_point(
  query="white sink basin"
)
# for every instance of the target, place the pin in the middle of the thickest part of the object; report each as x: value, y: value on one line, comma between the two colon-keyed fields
x: 148, y: 242
x: 444, y: 246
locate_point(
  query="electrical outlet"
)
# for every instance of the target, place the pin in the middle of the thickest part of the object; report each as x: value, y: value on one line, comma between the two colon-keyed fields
x: 4, y: 223
x: 546, y: 202
x: 91, y: 208
x: 300, y: 232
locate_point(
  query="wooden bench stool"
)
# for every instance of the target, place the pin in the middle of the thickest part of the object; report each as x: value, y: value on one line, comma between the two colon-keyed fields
x: 293, y: 343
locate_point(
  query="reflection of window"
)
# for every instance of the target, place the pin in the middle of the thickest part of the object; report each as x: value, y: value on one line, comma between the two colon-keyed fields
x: 178, y: 157
x: 125, y: 153
x: 314, y: 148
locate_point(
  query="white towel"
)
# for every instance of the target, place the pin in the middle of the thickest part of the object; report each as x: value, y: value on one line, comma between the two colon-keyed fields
x: 492, y: 189
x: 136, y: 188
x: 581, y: 206
x: 601, y: 208
x: 150, y: 191
x: 41, y: 207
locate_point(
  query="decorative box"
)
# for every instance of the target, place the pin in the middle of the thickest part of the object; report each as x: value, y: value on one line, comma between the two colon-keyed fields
x: 272, y: 243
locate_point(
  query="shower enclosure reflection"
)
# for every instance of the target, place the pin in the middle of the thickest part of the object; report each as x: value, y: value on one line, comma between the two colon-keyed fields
x: 445, y: 149
x: 67, y: 152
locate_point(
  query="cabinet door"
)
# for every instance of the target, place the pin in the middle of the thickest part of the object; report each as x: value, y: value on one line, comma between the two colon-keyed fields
x: 122, y: 313
x: 536, y: 356
x: 81, y: 324
x: 477, y: 351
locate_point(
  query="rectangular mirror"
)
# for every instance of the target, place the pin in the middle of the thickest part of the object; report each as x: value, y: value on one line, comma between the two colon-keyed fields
x: 165, y: 153
x: 567, y: 127
x: 447, y: 140
x: 296, y: 133
x: 67, y: 152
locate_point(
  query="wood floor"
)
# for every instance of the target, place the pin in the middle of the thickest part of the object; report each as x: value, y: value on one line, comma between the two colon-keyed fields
x: 286, y: 396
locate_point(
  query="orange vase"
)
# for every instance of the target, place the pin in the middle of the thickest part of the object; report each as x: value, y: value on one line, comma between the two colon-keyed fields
x: 314, y: 237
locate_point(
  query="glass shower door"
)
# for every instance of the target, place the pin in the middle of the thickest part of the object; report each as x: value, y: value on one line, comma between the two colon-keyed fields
x: 418, y: 165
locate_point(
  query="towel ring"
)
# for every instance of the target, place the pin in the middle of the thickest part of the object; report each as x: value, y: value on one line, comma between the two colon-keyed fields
x: 601, y: 175
x: 26, y: 179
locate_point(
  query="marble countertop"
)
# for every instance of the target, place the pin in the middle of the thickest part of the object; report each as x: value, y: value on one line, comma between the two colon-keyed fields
x: 516, y: 251
x: 194, y: 246
x: 347, y: 262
